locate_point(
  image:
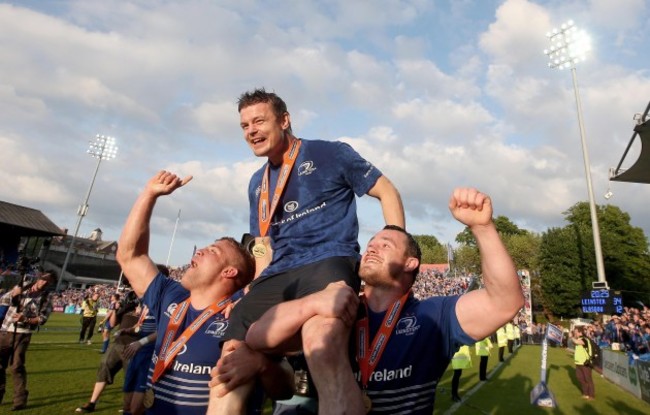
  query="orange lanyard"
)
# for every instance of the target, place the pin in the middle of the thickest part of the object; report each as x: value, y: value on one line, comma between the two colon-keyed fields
x: 368, y: 361
x: 143, y: 315
x: 265, y: 213
x: 171, y: 348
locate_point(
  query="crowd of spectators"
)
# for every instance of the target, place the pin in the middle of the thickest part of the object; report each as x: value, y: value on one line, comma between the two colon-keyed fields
x: 75, y: 296
x: 532, y: 333
x: 628, y: 332
x: 432, y: 284
x: 10, y: 274
x: 177, y: 272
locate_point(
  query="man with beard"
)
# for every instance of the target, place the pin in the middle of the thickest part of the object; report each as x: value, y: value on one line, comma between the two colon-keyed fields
x: 400, y: 343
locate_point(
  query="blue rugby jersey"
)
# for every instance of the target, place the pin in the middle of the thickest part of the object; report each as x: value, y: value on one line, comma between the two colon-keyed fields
x: 183, y: 388
x: 420, y: 347
x: 148, y: 326
x: 135, y: 377
x: 317, y: 215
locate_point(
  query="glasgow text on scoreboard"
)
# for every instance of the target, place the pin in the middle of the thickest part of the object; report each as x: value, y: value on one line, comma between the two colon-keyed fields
x: 602, y: 301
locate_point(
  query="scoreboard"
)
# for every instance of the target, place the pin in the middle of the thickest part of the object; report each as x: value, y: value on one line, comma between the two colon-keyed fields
x: 602, y: 301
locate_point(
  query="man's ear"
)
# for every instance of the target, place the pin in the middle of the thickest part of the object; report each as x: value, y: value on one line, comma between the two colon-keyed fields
x: 286, y: 121
x: 230, y: 272
x: 411, y: 264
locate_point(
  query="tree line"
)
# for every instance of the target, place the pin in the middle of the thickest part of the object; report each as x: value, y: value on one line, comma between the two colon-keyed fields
x: 561, y: 261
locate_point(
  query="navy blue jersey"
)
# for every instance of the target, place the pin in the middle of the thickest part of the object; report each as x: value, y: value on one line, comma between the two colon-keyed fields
x: 183, y: 388
x: 148, y: 327
x: 137, y: 372
x: 317, y: 214
x: 420, y: 347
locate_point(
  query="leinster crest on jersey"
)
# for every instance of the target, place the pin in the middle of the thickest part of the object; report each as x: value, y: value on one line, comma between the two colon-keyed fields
x: 217, y: 328
x: 170, y: 309
x: 407, y: 326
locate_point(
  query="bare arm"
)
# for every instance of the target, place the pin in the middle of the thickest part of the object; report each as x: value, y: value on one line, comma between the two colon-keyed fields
x: 133, y: 246
x: 240, y: 365
x: 278, y: 330
x: 112, y: 320
x: 391, y: 201
x: 483, y: 311
x: 107, y: 317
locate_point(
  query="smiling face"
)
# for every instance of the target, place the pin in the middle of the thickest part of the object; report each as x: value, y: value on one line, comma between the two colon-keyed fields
x: 265, y: 131
x: 385, y: 259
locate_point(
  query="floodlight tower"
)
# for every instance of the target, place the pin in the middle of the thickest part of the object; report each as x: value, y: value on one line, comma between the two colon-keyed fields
x: 568, y: 47
x: 103, y: 148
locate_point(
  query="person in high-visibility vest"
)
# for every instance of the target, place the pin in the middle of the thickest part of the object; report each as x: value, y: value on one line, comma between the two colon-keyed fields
x: 483, y: 348
x: 582, y: 360
x: 461, y: 360
x: 89, y: 309
x: 502, y: 341
x: 517, y: 336
x: 510, y: 335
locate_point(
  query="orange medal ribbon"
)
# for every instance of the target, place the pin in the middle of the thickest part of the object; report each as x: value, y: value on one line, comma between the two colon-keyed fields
x: 171, y: 348
x: 265, y: 212
x: 143, y: 315
x: 368, y: 357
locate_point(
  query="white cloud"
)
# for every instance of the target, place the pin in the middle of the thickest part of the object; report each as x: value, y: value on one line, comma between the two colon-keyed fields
x: 468, y: 101
x: 425, y: 78
x: 211, y: 117
x: 619, y: 15
x: 516, y: 37
x: 443, y: 119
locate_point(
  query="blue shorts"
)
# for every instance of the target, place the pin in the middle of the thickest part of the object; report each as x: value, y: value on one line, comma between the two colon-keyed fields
x: 135, y: 379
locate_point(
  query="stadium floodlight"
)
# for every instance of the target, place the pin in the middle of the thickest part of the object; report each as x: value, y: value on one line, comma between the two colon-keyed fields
x: 103, y: 148
x: 569, y: 46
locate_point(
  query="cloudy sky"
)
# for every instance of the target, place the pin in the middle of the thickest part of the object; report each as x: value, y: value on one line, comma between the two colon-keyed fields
x: 436, y: 94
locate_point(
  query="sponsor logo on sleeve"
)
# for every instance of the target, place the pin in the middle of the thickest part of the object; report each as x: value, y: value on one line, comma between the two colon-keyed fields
x: 370, y: 169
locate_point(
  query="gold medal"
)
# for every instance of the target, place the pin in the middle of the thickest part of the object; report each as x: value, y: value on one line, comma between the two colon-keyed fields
x: 148, y: 398
x: 136, y: 329
x: 367, y: 402
x: 259, y: 250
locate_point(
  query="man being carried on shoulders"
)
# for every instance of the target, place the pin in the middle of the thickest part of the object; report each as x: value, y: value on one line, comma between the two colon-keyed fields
x: 303, y: 209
